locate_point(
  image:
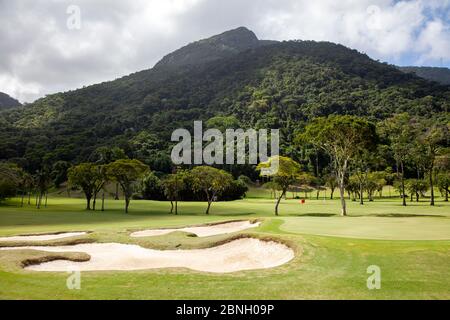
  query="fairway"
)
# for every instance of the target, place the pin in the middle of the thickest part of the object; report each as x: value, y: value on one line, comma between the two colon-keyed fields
x: 410, y: 245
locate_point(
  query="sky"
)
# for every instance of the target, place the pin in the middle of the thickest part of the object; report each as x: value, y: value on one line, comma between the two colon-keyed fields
x: 48, y: 46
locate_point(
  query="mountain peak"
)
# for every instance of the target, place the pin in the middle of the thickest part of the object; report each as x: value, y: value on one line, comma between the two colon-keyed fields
x: 216, y: 47
x: 240, y: 38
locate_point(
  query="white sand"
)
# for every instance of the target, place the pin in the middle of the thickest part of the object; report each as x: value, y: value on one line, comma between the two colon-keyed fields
x: 43, y: 237
x: 237, y: 255
x: 201, y: 231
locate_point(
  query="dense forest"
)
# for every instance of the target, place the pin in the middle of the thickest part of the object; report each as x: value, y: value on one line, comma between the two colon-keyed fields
x: 244, y: 83
x: 8, y: 102
x: 440, y: 75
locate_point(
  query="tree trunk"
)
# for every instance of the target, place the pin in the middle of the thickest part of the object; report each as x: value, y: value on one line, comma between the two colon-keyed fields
x: 341, y: 177
x: 116, y: 197
x: 39, y: 200
x: 432, y: 187
x: 127, y: 203
x: 29, y: 197
x: 343, y: 204
x: 88, y: 203
x: 403, y: 184
x: 209, y: 206
x: 176, y: 207
x: 103, y: 201
x: 332, y: 193
x: 278, y: 202
x: 171, y: 207
x: 94, y: 201
x: 361, y: 194
x: 446, y: 195
x: 46, y: 199
x: 317, y: 163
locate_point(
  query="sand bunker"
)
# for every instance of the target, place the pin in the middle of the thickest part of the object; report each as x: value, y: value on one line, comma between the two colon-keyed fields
x: 202, y: 231
x: 43, y: 237
x: 237, y: 255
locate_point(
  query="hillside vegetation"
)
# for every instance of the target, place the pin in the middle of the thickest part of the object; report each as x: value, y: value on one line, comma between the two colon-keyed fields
x: 260, y: 84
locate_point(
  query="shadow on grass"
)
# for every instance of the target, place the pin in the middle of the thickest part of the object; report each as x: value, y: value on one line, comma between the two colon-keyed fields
x: 402, y: 215
x: 316, y: 215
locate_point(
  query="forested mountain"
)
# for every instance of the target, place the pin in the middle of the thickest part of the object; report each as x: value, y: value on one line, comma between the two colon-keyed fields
x: 260, y: 84
x: 7, y: 102
x: 441, y: 75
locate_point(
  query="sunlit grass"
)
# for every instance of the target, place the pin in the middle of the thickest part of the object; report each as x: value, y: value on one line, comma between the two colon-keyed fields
x: 332, y: 252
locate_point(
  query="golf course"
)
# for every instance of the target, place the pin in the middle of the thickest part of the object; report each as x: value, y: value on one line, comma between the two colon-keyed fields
x: 331, y: 253
x: 282, y: 166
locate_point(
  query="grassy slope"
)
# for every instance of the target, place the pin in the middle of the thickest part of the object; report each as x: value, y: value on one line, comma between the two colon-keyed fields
x: 325, y: 266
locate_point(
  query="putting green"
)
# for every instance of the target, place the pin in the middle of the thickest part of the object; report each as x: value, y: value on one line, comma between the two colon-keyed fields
x: 410, y: 228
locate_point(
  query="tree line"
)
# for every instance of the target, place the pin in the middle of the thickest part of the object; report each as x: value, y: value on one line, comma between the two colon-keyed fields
x: 357, y: 149
x: 347, y: 153
x: 133, y: 178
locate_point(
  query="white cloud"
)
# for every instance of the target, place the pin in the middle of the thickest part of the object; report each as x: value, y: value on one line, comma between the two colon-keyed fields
x: 434, y: 42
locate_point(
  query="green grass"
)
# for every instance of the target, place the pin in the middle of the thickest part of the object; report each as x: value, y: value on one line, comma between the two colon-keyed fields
x: 411, y: 246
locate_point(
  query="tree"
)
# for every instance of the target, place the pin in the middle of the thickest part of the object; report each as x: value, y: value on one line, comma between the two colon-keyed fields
x: 416, y: 187
x: 236, y: 190
x: 399, y: 132
x: 87, y: 177
x: 43, y: 182
x: 105, y: 155
x: 364, y: 161
x: 26, y: 183
x: 273, y: 187
x: 173, y: 185
x: 223, y: 123
x: 352, y: 187
x: 342, y: 138
x: 443, y: 182
x: 9, y: 180
x: 375, y: 181
x: 127, y: 173
x: 100, y: 179
x: 331, y: 183
x: 152, y: 187
x: 288, y: 173
x: 432, y: 137
x: 59, y: 172
x: 211, y: 181
x: 443, y: 175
